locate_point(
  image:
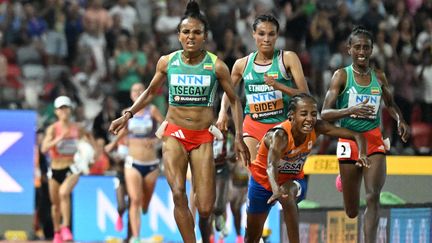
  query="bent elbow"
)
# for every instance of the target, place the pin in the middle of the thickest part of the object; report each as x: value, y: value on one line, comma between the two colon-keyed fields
x: 325, y: 115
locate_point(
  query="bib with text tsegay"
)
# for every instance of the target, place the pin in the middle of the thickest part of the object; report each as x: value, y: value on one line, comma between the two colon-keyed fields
x: 353, y: 94
x: 191, y: 85
x: 263, y: 102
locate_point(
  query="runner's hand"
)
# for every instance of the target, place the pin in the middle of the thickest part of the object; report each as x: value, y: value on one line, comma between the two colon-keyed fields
x: 118, y: 124
x: 222, y: 122
x: 242, y: 151
x: 403, y: 131
x: 276, y: 196
x: 363, y: 110
x: 363, y: 161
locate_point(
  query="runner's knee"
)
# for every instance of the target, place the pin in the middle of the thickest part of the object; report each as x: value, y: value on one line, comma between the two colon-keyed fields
x: 179, y: 197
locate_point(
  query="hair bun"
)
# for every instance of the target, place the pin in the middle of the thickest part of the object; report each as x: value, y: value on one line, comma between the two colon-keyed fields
x: 359, y: 28
x: 192, y: 8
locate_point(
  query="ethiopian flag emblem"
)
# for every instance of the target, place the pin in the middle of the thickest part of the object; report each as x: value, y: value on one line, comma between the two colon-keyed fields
x: 375, y: 90
x: 273, y: 75
x: 208, y: 66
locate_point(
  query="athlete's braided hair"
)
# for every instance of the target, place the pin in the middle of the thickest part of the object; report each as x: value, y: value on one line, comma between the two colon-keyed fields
x: 360, y: 30
x: 293, y: 103
x: 193, y: 11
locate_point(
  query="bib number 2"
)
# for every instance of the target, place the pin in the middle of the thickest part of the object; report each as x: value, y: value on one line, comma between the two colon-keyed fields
x: 343, y: 150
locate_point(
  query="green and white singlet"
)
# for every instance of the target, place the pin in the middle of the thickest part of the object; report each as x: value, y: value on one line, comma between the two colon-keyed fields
x: 263, y: 102
x: 191, y: 85
x: 354, y: 94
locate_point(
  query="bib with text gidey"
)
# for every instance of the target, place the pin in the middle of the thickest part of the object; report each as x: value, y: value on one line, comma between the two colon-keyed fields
x: 263, y: 102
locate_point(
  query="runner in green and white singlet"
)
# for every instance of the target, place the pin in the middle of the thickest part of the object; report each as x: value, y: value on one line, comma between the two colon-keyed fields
x: 264, y: 103
x: 354, y: 98
x: 271, y: 77
x: 355, y: 93
x: 192, y: 85
x: 187, y: 133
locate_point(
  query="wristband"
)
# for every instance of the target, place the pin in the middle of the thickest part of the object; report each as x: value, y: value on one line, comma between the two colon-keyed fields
x: 130, y: 112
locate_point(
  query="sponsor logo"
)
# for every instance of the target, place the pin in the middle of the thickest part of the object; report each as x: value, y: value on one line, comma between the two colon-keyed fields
x: 248, y: 76
x: 178, y: 134
x: 352, y: 90
x: 175, y: 63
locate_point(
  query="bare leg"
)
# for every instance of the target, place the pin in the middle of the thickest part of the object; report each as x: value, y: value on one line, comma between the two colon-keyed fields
x: 55, y: 204
x: 290, y: 212
x: 148, y: 189
x: 120, y: 195
x: 254, y: 227
x: 251, y: 143
x: 203, y: 174
x: 176, y: 163
x: 133, y: 183
x: 351, y: 177
x: 65, y: 191
x: 374, y: 178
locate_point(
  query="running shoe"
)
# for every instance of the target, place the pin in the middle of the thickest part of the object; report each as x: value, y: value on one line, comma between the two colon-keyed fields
x: 134, y: 240
x: 57, y: 238
x: 119, y: 223
x: 220, y: 223
x: 239, y: 239
x: 338, y: 183
x: 66, y: 234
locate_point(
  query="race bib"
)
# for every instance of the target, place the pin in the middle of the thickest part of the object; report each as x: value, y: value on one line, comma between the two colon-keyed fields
x: 374, y: 100
x: 265, y: 104
x: 343, y: 150
x: 67, y: 147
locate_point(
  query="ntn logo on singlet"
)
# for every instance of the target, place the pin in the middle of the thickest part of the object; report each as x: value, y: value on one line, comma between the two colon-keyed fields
x: 264, y: 97
x: 355, y: 99
x: 190, y: 80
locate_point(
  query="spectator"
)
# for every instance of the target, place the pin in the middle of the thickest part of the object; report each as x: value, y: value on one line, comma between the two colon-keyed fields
x: 382, y: 51
x: 425, y: 76
x: 114, y: 33
x: 321, y: 33
x: 96, y: 18
x: 131, y: 66
x: 73, y: 29
x: 55, y: 39
x: 403, y: 39
x: 35, y: 26
x: 424, y: 38
x: 128, y: 15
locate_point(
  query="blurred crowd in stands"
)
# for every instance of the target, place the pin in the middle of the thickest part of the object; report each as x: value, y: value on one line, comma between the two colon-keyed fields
x: 94, y: 50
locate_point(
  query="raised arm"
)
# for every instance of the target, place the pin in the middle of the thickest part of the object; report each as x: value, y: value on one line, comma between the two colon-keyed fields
x: 145, y: 98
x: 236, y: 77
x: 293, y: 64
x: 325, y: 128
x: 276, y: 141
x: 222, y: 73
x: 393, y: 109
